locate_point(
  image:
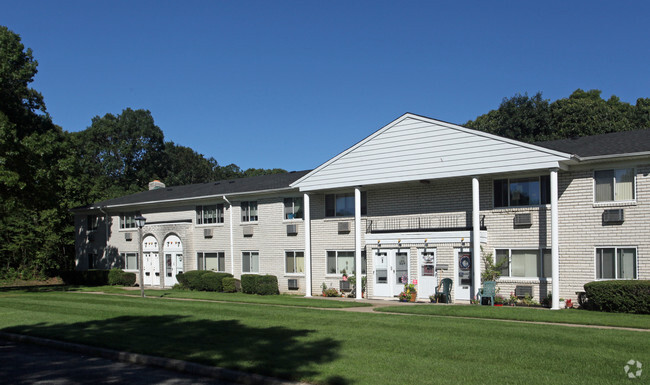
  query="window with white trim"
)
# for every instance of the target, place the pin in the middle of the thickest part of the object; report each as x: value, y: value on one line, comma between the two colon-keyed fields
x: 293, y: 208
x: 342, y: 205
x: 127, y: 220
x: 215, y: 261
x: 517, y: 192
x: 249, y: 211
x: 524, y: 263
x: 129, y: 261
x: 294, y: 262
x: 339, y: 262
x: 250, y: 262
x: 616, y: 263
x: 209, y: 214
x: 614, y: 185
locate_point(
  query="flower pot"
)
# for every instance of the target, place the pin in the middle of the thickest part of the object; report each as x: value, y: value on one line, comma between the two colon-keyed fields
x: 413, y: 295
x: 498, y: 304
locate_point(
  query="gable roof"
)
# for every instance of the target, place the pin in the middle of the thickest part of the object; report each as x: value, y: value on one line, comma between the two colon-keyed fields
x: 629, y: 143
x: 414, y: 147
x: 250, y: 185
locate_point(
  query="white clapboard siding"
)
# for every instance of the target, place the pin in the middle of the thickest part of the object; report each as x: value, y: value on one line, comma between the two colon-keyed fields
x: 415, y: 148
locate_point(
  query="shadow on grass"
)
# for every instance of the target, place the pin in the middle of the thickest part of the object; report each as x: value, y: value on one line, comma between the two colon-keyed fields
x: 275, y: 351
x: 36, y: 288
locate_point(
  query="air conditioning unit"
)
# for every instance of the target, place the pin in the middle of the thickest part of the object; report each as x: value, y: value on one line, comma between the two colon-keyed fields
x: 523, y: 219
x: 248, y: 231
x: 207, y: 233
x: 344, y: 227
x: 128, y: 236
x: 292, y: 229
x: 613, y: 216
x: 293, y: 284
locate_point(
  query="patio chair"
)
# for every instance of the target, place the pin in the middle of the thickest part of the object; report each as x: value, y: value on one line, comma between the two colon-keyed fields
x: 488, y: 291
x: 444, y: 289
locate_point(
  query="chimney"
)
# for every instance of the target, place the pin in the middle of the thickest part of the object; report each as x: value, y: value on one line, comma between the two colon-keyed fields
x: 156, y: 184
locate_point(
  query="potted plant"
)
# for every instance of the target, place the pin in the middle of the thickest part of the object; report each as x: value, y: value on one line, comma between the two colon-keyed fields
x: 433, y: 298
x: 499, y: 300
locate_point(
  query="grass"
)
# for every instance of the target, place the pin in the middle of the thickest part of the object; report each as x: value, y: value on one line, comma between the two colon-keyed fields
x: 569, y: 316
x: 330, y: 347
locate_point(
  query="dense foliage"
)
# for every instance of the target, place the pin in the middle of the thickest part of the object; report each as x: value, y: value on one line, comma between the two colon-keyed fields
x: 624, y: 296
x: 259, y: 284
x: 118, y: 277
x: 202, y: 280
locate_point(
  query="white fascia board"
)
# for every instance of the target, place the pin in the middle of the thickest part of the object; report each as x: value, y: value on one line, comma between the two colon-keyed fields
x: 390, y: 239
x: 613, y: 156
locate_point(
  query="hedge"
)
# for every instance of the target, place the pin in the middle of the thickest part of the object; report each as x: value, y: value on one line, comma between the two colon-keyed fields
x: 85, y: 277
x: 625, y: 296
x: 117, y: 277
x: 202, y: 280
x: 231, y: 285
x: 259, y: 284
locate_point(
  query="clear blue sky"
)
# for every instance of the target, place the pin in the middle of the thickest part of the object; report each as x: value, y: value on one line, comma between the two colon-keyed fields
x: 290, y: 84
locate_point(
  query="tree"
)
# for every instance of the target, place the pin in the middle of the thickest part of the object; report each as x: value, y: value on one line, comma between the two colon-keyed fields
x: 186, y: 166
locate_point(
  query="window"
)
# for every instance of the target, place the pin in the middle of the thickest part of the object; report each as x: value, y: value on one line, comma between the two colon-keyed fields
x: 250, y: 262
x: 339, y: 262
x: 129, y: 261
x: 215, y: 261
x: 614, y: 185
x: 249, y: 211
x: 92, y: 222
x: 522, y: 191
x: 127, y: 220
x: 209, y: 214
x: 293, y: 208
x: 342, y: 205
x: 91, y: 261
x: 524, y: 263
x: 615, y: 263
x: 295, y: 262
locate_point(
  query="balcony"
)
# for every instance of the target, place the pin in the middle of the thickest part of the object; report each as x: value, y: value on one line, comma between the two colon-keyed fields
x: 447, y: 222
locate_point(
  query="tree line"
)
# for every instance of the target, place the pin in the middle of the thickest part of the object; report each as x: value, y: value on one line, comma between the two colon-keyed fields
x: 45, y: 171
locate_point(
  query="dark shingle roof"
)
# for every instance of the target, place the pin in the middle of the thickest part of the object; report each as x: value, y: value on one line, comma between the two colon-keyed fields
x: 615, y: 143
x: 222, y: 187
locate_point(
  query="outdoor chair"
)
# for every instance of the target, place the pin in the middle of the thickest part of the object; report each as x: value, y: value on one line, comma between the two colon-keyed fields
x: 445, y: 290
x: 488, y: 291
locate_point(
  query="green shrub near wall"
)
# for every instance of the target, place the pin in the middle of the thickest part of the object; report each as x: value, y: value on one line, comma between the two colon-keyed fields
x: 628, y: 296
x: 248, y: 283
x: 202, y: 280
x: 85, y: 277
x: 117, y: 277
x: 259, y: 284
x: 231, y: 285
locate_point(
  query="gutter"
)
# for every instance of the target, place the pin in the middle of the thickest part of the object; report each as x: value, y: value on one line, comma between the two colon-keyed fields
x: 232, y: 247
x: 610, y: 156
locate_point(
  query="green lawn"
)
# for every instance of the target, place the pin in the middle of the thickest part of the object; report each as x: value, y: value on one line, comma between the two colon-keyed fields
x: 571, y: 316
x: 330, y: 347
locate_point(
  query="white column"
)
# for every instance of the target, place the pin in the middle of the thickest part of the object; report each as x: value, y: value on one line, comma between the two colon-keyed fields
x: 476, y: 237
x: 555, y: 243
x: 232, y: 245
x: 307, y: 245
x: 357, y: 240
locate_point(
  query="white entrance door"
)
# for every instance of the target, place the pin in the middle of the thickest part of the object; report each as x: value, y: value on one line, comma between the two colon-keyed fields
x: 391, y: 271
x: 151, y: 262
x: 173, y: 262
x: 427, y: 278
x: 463, y: 273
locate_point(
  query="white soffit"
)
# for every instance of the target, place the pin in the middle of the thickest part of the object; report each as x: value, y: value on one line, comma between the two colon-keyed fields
x: 414, y: 148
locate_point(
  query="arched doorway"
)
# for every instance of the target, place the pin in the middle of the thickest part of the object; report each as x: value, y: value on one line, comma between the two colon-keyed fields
x: 173, y: 251
x: 151, y: 261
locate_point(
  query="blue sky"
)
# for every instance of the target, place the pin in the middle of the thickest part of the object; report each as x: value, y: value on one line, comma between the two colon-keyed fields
x: 290, y: 84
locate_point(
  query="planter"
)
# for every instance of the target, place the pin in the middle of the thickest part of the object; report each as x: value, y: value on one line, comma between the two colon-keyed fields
x: 498, y: 304
x: 413, y: 295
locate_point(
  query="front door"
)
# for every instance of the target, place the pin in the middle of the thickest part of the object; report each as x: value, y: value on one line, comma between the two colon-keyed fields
x: 463, y: 273
x: 427, y: 278
x: 151, y: 262
x: 391, y: 271
x: 173, y: 259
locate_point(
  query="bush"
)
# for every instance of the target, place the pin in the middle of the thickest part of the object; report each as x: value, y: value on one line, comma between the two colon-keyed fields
x: 231, y: 285
x: 203, y: 280
x: 209, y: 282
x: 631, y: 296
x: 332, y: 292
x: 259, y: 284
x: 85, y: 277
x: 117, y: 277
x: 248, y: 283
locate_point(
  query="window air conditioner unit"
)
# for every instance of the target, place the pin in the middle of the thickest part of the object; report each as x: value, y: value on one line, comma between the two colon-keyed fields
x: 613, y: 216
x: 523, y: 219
x: 128, y: 236
x: 293, y: 284
x: 344, y: 227
x: 248, y: 231
x: 207, y: 233
x: 292, y: 229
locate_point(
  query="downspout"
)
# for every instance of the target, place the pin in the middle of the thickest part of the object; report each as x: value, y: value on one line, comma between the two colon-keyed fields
x: 232, y: 247
x: 101, y: 208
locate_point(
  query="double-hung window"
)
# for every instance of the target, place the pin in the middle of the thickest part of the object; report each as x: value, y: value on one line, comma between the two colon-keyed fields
x: 531, y: 263
x: 129, y: 261
x: 339, y: 262
x: 209, y: 214
x: 614, y: 185
x: 295, y: 262
x: 293, y: 208
x: 249, y: 211
x: 215, y: 261
x: 342, y: 205
x: 616, y: 263
x: 517, y: 192
x: 250, y: 262
x: 127, y: 220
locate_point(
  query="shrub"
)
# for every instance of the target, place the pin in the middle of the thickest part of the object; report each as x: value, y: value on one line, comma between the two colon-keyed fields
x: 231, y: 285
x: 332, y: 292
x: 203, y: 280
x: 209, y: 282
x: 192, y: 279
x: 85, y: 277
x: 267, y: 285
x: 117, y: 277
x: 631, y: 296
x: 220, y: 278
x: 248, y: 283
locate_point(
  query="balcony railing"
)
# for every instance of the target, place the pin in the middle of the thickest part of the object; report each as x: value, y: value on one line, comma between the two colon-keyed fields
x: 421, y: 223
